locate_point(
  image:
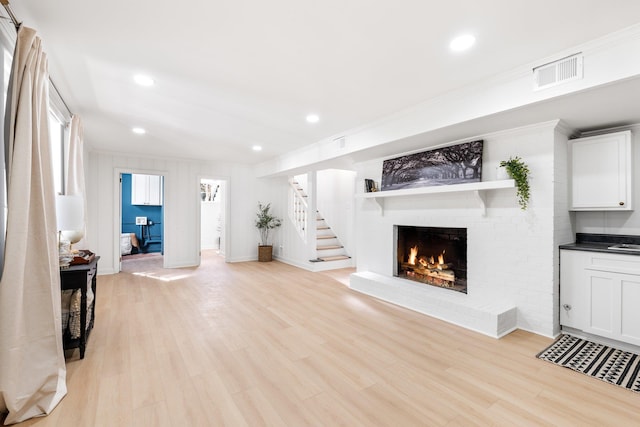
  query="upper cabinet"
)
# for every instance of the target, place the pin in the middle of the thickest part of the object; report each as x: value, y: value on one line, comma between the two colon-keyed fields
x: 600, y: 168
x: 146, y: 190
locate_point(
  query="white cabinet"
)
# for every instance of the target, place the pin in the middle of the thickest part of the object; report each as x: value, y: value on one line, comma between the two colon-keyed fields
x: 613, y: 305
x: 600, y: 294
x: 600, y: 169
x: 572, y: 306
x: 146, y: 190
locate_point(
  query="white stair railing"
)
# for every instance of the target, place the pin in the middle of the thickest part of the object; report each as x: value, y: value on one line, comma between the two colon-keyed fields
x: 298, y: 210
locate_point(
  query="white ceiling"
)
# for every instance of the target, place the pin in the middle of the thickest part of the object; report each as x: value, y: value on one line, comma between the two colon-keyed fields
x: 234, y: 73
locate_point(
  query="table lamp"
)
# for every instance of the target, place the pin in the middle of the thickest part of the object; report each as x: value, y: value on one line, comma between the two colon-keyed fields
x: 70, y: 217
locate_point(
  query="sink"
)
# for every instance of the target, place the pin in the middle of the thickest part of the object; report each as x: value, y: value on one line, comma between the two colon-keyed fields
x: 625, y: 247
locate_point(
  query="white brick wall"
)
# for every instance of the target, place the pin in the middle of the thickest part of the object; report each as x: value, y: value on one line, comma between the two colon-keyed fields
x: 511, y: 253
x: 564, y: 230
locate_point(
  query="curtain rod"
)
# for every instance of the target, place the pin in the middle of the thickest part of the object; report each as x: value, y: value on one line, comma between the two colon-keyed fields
x: 17, y: 24
x: 12, y: 16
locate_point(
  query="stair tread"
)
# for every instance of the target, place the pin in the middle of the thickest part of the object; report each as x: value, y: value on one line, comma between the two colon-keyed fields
x: 326, y: 237
x: 323, y: 248
x: 335, y: 258
x: 323, y: 228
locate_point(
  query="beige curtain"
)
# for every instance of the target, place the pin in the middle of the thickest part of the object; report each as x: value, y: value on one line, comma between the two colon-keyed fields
x: 75, y: 185
x: 32, y: 366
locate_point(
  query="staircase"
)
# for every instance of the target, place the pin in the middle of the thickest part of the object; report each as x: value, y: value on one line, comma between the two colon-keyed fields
x: 328, y: 247
x: 330, y: 253
x: 298, y: 209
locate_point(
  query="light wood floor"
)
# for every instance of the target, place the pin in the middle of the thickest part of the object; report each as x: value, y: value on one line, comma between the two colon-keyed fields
x: 256, y: 344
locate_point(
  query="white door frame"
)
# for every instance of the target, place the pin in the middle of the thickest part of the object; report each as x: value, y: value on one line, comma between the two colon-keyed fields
x: 226, y: 207
x: 117, y: 204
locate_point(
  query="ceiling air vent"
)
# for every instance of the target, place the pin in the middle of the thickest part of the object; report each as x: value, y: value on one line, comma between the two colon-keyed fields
x: 558, y: 72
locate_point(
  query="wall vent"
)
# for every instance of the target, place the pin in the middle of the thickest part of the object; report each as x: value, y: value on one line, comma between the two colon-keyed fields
x: 558, y: 72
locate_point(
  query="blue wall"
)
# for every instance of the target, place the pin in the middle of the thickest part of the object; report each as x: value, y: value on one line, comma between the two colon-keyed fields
x: 154, y: 220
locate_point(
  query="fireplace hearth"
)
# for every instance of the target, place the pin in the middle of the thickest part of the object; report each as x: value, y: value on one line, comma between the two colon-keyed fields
x: 434, y: 256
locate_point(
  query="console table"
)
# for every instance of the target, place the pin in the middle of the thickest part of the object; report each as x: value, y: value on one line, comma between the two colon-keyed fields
x: 82, y: 277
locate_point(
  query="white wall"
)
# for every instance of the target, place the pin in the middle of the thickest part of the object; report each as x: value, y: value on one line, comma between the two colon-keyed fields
x: 511, y: 255
x: 335, y: 201
x: 563, y: 220
x: 271, y: 191
x: 616, y: 222
x: 288, y: 246
x: 182, y: 203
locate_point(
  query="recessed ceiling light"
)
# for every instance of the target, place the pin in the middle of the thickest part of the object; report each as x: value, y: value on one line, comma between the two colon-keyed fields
x: 143, y: 80
x: 462, y: 42
x: 139, y: 131
x: 256, y: 148
x: 313, y: 118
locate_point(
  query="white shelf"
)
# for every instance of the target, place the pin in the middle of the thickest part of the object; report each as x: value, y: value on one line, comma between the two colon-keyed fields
x: 478, y: 188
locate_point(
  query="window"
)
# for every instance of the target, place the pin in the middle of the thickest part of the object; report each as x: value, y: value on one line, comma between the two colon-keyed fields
x: 56, y: 135
x: 59, y: 119
x: 58, y: 113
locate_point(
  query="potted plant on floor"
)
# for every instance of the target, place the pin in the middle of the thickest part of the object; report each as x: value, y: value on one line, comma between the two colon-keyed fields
x: 265, y: 222
x: 519, y: 171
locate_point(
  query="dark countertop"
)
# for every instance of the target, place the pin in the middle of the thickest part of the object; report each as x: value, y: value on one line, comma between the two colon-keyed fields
x: 601, y: 242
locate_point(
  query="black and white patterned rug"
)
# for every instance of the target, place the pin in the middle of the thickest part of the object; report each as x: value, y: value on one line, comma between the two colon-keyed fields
x: 608, y: 364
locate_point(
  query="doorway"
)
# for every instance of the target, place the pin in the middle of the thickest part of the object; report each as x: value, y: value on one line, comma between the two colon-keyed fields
x: 141, y: 228
x: 213, y: 208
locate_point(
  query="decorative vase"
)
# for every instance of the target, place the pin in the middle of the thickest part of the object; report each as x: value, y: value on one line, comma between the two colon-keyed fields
x: 265, y: 253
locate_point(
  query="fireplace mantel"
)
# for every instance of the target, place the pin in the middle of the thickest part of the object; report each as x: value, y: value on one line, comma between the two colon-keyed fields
x: 477, y: 188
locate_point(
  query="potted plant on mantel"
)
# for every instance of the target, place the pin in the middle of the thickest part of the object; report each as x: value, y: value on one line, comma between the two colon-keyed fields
x: 519, y: 171
x: 265, y: 222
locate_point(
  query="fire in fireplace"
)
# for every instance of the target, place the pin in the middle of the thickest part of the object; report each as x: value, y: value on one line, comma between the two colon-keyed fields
x: 432, y: 255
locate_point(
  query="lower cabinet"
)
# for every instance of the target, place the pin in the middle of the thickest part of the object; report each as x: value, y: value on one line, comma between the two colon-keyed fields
x: 572, y: 307
x: 600, y: 294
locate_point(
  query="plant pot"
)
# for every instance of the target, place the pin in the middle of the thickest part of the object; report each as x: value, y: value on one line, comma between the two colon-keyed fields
x: 265, y: 253
x: 502, y: 173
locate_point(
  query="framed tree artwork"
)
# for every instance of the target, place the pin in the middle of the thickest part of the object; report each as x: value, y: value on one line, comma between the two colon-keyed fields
x: 455, y: 164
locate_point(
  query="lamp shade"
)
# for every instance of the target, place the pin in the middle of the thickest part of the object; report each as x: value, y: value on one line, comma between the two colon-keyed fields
x: 70, y: 213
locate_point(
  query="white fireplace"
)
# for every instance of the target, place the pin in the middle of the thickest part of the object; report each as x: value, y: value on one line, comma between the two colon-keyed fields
x: 512, y: 256
x: 430, y: 275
